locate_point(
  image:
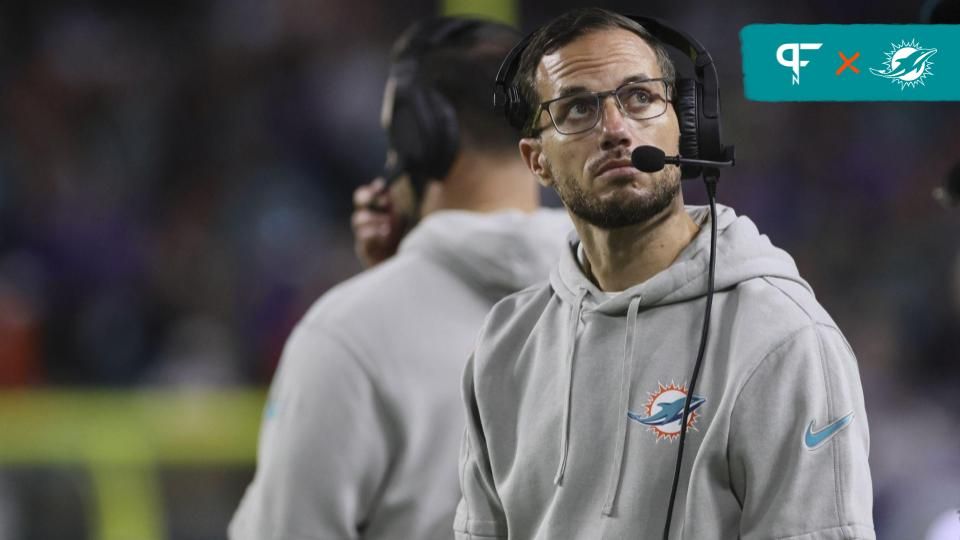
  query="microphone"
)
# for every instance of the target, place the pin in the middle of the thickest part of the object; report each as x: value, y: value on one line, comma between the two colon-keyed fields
x: 949, y: 193
x: 652, y: 159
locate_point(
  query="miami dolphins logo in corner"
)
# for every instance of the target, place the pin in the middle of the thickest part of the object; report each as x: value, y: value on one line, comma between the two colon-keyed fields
x: 663, y: 412
x: 907, y: 64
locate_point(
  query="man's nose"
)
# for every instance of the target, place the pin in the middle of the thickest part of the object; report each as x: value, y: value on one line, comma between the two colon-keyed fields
x: 613, y: 125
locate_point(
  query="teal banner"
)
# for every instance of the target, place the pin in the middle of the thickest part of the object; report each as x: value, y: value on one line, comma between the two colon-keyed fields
x: 857, y: 62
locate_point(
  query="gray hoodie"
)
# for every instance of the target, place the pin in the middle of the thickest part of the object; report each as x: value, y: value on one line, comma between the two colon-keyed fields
x: 361, y: 432
x: 574, y: 396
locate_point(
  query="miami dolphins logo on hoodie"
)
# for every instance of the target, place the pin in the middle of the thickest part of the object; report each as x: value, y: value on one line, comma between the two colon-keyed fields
x: 663, y: 411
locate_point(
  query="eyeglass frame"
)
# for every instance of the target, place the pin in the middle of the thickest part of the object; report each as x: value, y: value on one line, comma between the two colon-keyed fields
x: 600, y: 96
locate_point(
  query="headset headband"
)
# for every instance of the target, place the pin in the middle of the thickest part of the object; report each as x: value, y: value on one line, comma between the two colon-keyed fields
x: 431, y: 33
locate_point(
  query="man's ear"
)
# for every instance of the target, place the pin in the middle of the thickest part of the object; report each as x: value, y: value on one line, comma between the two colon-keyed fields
x: 531, y: 150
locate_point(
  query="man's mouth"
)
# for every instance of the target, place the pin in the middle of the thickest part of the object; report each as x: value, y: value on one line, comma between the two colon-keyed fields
x: 624, y: 166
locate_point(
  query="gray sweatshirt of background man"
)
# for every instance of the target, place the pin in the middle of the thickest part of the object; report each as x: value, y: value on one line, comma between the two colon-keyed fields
x: 361, y: 433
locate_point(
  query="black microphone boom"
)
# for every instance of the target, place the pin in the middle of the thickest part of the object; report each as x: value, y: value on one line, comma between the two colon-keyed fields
x: 652, y: 159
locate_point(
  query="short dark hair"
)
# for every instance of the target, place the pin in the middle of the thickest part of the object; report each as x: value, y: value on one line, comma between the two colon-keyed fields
x: 462, y: 67
x: 567, y: 28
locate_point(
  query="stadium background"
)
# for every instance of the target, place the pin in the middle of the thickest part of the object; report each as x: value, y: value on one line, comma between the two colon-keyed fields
x: 175, y: 181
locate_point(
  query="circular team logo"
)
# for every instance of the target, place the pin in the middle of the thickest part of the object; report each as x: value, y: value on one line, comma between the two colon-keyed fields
x: 663, y: 411
x: 907, y: 64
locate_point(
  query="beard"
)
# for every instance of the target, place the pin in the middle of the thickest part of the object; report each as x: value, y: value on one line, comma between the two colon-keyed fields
x: 617, y: 212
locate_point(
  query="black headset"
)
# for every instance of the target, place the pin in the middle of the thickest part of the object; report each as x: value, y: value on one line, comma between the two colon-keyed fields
x: 424, y: 132
x: 697, y: 100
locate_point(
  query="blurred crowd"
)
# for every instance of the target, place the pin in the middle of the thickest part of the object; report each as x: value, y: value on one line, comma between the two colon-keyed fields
x: 175, y: 181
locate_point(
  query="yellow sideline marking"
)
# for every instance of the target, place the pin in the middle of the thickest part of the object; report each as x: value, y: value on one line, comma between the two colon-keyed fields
x: 505, y: 11
x: 122, y: 437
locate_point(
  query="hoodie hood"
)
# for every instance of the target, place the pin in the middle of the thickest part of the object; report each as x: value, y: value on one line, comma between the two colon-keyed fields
x: 742, y: 254
x: 499, y: 252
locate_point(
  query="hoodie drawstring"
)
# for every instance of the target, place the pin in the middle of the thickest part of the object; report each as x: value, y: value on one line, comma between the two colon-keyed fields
x: 626, y: 378
x: 573, y: 326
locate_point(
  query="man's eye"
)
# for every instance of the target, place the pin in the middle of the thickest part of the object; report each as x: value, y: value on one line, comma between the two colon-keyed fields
x: 639, y: 96
x: 581, y: 107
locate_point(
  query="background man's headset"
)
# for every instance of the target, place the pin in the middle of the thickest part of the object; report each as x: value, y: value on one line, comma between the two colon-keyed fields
x: 424, y: 134
x: 697, y: 104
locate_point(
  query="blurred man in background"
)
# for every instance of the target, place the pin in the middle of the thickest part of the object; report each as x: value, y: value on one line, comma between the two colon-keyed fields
x: 361, y: 432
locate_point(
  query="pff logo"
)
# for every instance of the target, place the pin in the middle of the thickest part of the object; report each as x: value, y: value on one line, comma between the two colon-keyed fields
x: 794, y: 62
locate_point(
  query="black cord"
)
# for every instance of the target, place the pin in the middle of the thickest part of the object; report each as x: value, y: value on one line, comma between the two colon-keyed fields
x: 711, y: 182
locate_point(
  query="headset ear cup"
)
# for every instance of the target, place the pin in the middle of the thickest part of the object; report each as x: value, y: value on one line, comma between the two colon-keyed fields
x: 441, y: 134
x: 405, y: 133
x: 516, y: 109
x: 687, y: 116
x: 424, y: 132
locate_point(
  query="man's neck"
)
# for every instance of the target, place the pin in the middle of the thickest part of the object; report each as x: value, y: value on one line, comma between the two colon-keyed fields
x: 482, y: 183
x: 618, y: 259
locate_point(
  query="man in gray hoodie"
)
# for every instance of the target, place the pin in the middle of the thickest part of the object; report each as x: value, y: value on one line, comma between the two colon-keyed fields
x: 361, y: 433
x: 575, y: 390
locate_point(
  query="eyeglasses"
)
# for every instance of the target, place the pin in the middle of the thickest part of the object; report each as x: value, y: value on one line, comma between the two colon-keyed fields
x: 638, y: 100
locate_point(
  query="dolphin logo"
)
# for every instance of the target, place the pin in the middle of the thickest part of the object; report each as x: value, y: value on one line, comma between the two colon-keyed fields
x: 668, y: 413
x: 907, y: 64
